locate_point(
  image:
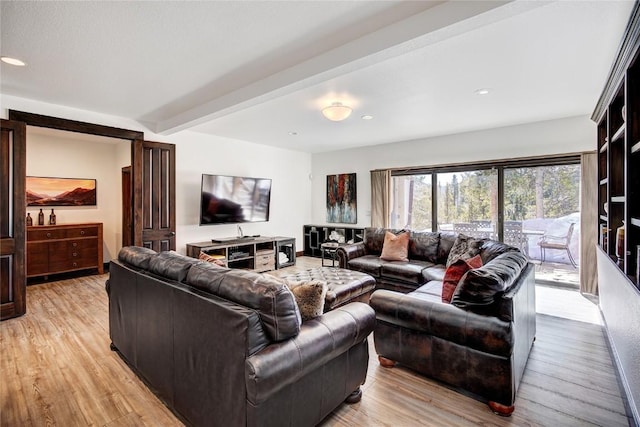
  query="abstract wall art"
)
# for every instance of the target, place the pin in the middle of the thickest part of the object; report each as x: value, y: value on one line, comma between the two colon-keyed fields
x: 341, y: 198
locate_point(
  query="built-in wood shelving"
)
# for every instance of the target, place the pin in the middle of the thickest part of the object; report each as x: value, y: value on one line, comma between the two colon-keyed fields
x: 619, y: 134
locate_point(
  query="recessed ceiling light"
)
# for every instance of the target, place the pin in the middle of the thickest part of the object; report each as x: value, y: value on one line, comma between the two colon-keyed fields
x: 293, y: 133
x: 367, y: 117
x: 483, y: 91
x: 12, y: 61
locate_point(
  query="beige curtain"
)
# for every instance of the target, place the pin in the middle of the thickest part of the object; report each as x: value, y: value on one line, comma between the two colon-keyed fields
x: 588, y: 223
x: 380, y: 191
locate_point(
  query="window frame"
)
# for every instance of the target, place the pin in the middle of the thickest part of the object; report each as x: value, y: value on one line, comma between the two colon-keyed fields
x: 499, y: 165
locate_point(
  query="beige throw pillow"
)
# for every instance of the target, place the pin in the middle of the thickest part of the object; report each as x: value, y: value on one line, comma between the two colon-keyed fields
x: 395, y: 246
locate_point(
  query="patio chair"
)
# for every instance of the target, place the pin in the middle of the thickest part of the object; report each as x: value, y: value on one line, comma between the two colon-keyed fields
x: 514, y: 236
x: 558, y: 243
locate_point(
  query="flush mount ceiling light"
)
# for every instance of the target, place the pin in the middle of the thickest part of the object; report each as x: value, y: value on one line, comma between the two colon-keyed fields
x: 367, y: 117
x: 483, y: 91
x: 336, y: 112
x: 12, y: 61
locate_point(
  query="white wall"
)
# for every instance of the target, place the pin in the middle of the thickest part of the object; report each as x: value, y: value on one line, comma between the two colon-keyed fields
x: 57, y: 156
x: 198, y: 153
x: 569, y: 135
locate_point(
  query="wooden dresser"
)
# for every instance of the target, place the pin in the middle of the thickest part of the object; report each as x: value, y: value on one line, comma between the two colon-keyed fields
x: 61, y: 248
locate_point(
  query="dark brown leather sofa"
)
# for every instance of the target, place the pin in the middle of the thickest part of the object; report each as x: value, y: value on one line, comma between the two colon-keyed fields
x: 480, y: 343
x: 226, y: 347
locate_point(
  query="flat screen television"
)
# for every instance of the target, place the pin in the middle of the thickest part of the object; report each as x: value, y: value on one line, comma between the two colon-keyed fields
x: 234, y: 199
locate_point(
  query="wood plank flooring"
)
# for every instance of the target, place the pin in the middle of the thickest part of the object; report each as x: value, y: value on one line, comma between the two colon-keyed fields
x: 57, y: 370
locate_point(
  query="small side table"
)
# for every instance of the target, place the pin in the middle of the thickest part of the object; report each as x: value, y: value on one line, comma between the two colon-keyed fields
x: 286, y: 245
x: 328, y: 250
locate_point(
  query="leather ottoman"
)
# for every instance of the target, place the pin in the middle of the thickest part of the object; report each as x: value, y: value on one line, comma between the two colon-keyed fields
x: 344, y: 286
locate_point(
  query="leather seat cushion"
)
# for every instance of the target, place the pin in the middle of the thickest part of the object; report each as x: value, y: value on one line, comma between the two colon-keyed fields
x: 410, y: 272
x: 435, y: 272
x: 431, y: 291
x: 369, y: 264
x: 266, y: 294
x: 171, y: 265
x: 424, y: 246
x: 136, y: 256
x: 480, y: 287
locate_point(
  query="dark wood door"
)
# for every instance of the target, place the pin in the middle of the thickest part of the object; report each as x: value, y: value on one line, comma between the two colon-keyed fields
x: 12, y: 219
x: 127, y: 229
x: 154, y: 195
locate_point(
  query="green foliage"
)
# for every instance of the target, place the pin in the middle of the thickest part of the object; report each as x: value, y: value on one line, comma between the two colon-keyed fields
x: 548, y: 191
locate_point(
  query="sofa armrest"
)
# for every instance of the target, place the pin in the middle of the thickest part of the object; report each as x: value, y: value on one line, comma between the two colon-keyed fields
x: 348, y: 252
x: 445, y: 321
x: 319, y: 341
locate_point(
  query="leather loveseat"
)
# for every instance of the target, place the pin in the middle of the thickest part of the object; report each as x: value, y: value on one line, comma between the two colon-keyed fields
x: 480, y: 342
x: 226, y: 347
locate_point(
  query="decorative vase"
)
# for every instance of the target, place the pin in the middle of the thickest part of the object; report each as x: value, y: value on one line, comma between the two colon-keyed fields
x: 41, y: 218
x: 620, y: 245
x: 29, y: 220
x: 52, y: 218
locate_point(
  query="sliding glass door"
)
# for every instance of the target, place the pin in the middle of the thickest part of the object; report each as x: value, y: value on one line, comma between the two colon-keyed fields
x: 532, y: 205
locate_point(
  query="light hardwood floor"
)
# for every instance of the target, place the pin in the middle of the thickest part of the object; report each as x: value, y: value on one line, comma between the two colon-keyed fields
x: 57, y: 369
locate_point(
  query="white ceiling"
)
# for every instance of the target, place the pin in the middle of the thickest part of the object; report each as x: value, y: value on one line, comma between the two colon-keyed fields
x: 259, y: 70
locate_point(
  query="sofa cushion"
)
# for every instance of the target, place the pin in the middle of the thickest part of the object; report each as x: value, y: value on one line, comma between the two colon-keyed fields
x: 435, y: 272
x: 465, y: 247
x: 491, y: 249
x: 136, y: 256
x: 369, y: 264
x: 373, y: 239
x: 454, y: 273
x: 410, y: 272
x: 171, y: 265
x: 424, y: 246
x: 310, y: 297
x: 447, y: 239
x: 395, y: 246
x: 432, y: 289
x: 266, y: 294
x: 479, y: 288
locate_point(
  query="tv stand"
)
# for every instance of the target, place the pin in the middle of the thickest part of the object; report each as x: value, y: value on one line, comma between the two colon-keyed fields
x: 257, y: 253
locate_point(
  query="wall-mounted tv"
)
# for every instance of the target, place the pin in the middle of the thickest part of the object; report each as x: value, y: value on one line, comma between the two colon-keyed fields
x: 234, y: 199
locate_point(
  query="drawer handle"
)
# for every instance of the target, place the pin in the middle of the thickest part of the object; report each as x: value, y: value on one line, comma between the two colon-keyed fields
x: 75, y: 254
x: 82, y: 232
x: 75, y: 264
x: 48, y: 234
x: 75, y: 244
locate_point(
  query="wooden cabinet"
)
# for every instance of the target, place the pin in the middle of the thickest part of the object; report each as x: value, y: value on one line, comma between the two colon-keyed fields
x: 618, y: 136
x: 618, y: 144
x: 316, y: 235
x: 62, y: 248
x: 256, y: 253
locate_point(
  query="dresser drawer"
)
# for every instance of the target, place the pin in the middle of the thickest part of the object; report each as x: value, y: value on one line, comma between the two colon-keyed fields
x: 46, y: 234
x: 90, y: 230
x: 72, y: 264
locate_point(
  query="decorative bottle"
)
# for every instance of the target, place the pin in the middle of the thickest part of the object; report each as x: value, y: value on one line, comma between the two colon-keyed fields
x: 29, y: 220
x: 41, y: 218
x: 620, y: 245
x: 52, y: 218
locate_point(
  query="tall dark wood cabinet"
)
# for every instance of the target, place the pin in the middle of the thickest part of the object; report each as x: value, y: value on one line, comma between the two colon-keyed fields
x: 618, y: 143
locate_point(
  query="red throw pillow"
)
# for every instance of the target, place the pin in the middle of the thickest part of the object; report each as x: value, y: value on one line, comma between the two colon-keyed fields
x: 454, y: 273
